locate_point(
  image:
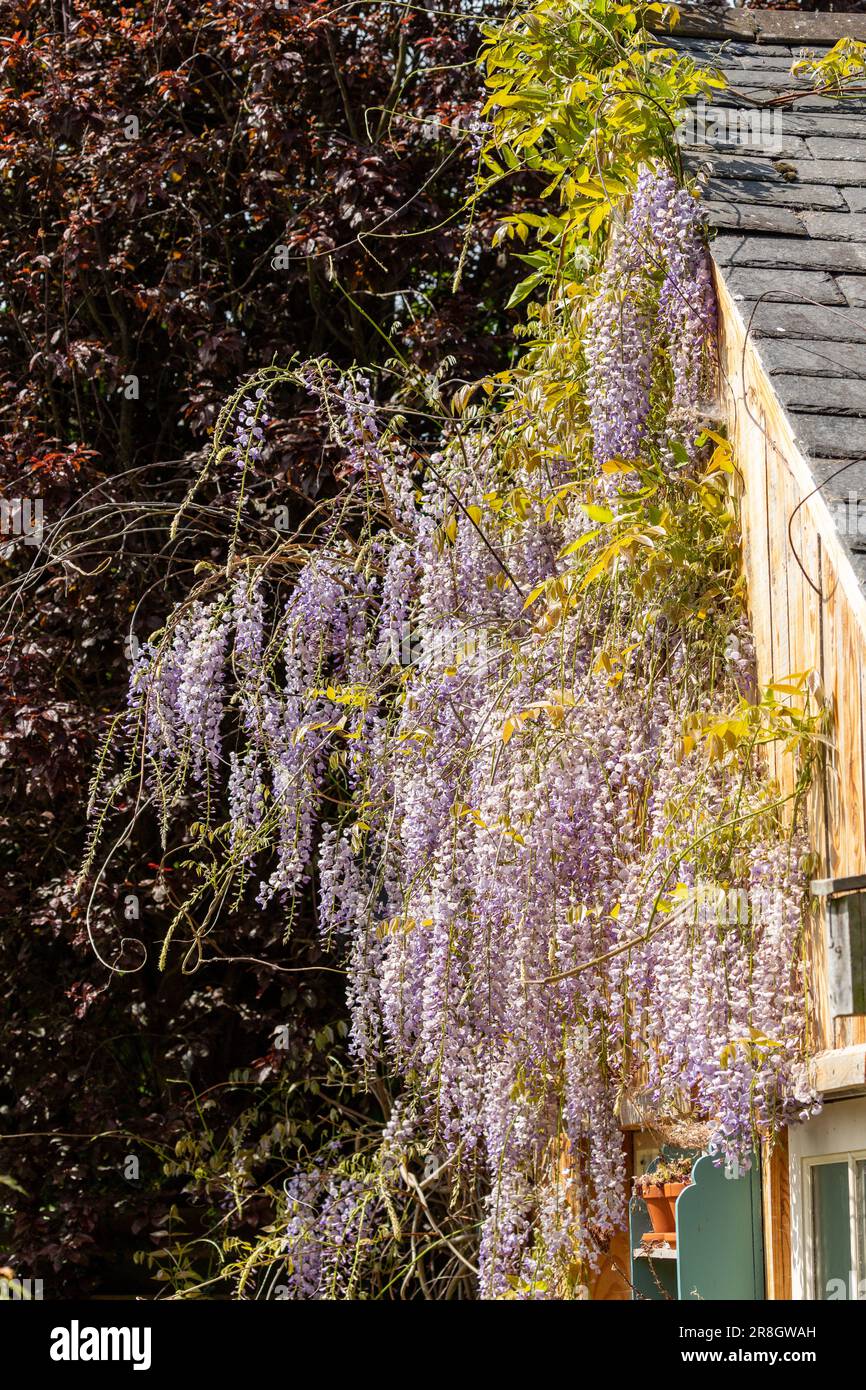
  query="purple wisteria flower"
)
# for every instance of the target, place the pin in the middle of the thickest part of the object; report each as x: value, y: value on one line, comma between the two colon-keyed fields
x: 655, y: 302
x: 517, y: 912
x: 250, y: 423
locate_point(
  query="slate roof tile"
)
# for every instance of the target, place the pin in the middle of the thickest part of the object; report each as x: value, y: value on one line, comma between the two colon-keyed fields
x: 832, y: 148
x: 821, y: 321
x: 839, y: 478
x: 815, y: 126
x: 755, y: 217
x: 808, y: 357
x: 835, y: 226
x: 854, y: 289
x: 797, y: 253
x: 841, y: 395
x: 839, y: 172
x: 776, y: 192
x: 839, y: 435
x: 785, y: 285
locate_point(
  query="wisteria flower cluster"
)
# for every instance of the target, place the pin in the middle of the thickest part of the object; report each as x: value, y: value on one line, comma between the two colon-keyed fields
x: 251, y: 421
x: 654, y: 313
x: 499, y: 819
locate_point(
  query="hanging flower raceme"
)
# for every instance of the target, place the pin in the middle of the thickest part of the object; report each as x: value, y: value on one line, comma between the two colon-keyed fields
x: 654, y: 313
x: 249, y: 433
x: 463, y: 725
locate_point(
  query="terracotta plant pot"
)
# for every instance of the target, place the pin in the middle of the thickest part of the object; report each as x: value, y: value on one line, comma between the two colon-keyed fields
x: 672, y: 1192
x: 659, y: 1207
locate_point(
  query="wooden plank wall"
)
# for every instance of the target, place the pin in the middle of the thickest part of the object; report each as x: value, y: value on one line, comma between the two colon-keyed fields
x: 776, y: 1201
x: 809, y: 615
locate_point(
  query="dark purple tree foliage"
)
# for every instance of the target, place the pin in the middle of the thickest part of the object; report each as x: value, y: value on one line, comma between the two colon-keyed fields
x: 189, y: 191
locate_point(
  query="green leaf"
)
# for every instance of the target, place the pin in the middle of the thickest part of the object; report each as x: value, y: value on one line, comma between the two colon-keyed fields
x: 6, y: 1181
x: 679, y: 451
x: 579, y: 543
x: 524, y: 288
x: 596, y: 512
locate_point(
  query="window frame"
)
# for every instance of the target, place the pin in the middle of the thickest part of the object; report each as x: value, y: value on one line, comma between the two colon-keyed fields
x: 851, y: 1157
x: 830, y: 1137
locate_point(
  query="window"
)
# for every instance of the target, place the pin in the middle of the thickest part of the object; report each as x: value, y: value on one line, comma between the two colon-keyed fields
x: 827, y: 1171
x: 836, y: 1215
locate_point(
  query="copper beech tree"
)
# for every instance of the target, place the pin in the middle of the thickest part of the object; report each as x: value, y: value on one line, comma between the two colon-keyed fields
x: 188, y: 191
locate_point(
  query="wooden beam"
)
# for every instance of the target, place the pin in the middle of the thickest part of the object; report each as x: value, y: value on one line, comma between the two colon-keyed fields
x: 776, y: 1199
x: 839, y: 1072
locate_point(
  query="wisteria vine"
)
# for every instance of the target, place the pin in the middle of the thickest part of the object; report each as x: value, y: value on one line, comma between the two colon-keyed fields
x: 478, y: 725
